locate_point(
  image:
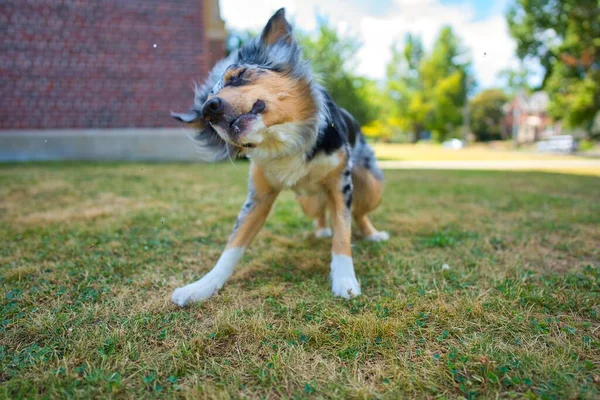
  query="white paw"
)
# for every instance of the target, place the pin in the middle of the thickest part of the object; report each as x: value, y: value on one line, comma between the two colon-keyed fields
x: 211, y: 282
x: 343, y: 279
x: 197, y: 291
x: 380, y: 236
x: 323, y: 233
x: 346, y: 287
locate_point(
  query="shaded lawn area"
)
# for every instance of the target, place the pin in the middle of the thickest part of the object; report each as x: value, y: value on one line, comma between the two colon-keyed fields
x: 91, y: 252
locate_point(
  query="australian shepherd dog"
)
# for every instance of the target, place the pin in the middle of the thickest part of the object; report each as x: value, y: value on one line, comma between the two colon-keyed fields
x: 262, y: 102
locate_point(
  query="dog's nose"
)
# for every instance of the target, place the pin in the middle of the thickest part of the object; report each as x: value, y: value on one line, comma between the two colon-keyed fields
x: 213, y: 108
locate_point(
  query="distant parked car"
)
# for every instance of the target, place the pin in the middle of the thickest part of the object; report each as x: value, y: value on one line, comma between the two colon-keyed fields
x: 557, y: 144
x: 453, y: 144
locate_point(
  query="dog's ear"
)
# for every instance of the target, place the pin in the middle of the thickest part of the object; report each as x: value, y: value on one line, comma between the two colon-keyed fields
x: 188, y: 117
x: 277, y: 29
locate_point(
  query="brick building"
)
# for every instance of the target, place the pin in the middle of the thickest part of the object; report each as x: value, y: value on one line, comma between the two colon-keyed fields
x: 106, y: 64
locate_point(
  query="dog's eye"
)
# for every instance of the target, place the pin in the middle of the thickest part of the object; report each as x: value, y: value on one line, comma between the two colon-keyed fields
x: 237, y: 80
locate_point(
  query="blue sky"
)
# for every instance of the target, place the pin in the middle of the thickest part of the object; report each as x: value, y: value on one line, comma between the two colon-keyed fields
x: 483, y: 8
x: 377, y: 23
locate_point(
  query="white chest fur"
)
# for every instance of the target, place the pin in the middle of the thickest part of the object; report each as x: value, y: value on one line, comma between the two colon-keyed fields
x: 303, y: 177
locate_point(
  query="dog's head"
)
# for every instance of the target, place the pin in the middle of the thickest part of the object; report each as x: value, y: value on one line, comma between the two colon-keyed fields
x: 261, y: 100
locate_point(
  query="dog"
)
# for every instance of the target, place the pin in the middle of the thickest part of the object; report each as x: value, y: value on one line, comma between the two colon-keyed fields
x: 263, y: 102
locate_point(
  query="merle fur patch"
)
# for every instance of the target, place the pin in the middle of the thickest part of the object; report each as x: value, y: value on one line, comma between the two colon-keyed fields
x: 247, y: 207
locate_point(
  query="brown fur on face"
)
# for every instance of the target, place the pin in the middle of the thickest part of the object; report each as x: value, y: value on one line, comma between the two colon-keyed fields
x: 286, y: 99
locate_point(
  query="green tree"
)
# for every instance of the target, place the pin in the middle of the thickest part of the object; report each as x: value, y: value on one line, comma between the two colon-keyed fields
x: 515, y: 80
x: 564, y: 35
x: 333, y: 58
x: 430, y: 91
x: 487, y: 115
x: 404, y: 83
x: 444, y: 75
x: 236, y: 38
x: 413, y: 53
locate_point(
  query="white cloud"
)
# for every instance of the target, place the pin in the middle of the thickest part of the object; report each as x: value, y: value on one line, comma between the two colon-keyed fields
x: 244, y: 15
x: 492, y: 49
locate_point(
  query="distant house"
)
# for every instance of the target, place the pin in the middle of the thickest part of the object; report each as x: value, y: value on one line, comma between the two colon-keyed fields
x: 526, y: 118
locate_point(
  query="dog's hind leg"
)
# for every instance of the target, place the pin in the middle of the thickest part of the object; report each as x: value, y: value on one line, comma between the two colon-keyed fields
x: 250, y: 220
x: 315, y: 207
x: 367, y: 196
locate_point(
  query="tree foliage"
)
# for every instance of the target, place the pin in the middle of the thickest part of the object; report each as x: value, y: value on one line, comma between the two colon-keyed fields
x: 564, y: 35
x: 236, y: 38
x: 333, y: 59
x: 429, y: 90
x: 516, y: 80
x: 487, y: 115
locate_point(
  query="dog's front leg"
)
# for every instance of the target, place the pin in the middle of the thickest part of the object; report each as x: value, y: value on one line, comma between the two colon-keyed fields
x: 250, y: 220
x: 339, y: 193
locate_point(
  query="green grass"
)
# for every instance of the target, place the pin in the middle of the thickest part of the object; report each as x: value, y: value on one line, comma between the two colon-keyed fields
x: 91, y: 252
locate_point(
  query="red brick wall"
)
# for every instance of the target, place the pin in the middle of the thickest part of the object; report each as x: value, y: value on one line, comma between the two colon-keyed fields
x: 93, y: 64
x: 216, y: 51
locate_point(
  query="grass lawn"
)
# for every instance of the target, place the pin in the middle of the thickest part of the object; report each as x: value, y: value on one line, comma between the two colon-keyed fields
x: 91, y: 252
x: 497, y: 151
